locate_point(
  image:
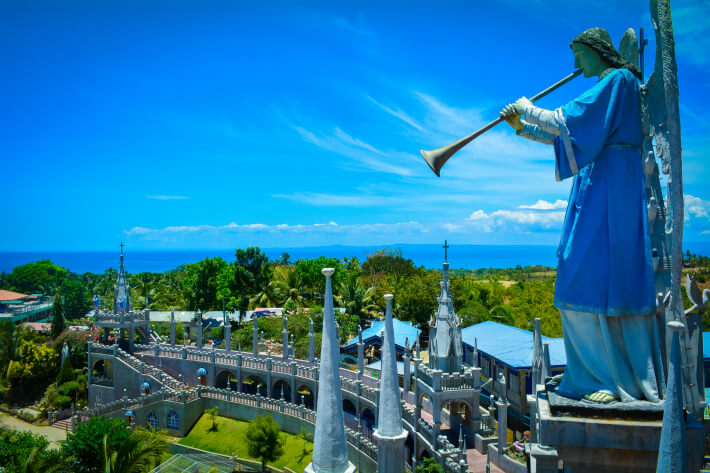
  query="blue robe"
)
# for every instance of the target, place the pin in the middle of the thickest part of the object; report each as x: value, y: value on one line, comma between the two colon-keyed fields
x: 604, y: 254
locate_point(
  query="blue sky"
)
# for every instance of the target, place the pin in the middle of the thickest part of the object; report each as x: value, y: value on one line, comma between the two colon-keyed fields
x: 184, y: 125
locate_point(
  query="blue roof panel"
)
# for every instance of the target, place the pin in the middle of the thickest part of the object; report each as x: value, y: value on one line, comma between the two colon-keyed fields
x: 706, y: 345
x: 402, y: 331
x: 510, y: 345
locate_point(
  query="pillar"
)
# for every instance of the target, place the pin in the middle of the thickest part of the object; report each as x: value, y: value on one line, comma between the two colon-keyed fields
x: 360, y: 352
x: 407, y: 367
x: 198, y: 342
x: 311, y: 342
x: 502, y: 425
x: 255, y: 336
x: 172, y: 327
x: 284, y: 339
x: 227, y: 334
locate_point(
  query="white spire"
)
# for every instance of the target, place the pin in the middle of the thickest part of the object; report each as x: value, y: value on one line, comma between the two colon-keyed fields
x: 390, y: 434
x: 330, y: 449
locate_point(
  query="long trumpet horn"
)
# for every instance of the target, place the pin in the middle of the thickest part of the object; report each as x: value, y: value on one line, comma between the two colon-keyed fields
x: 437, y: 158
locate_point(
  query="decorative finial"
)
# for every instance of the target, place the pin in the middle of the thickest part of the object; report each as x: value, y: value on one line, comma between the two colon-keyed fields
x: 446, y: 254
x: 327, y: 272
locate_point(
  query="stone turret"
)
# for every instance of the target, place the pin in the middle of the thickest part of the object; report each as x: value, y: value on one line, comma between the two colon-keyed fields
x: 445, y: 348
x: 390, y: 435
x: 172, y: 327
x: 311, y: 342
x: 330, y: 448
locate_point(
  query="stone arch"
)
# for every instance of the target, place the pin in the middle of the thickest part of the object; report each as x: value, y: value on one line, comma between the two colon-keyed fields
x: 463, y: 411
x: 226, y: 378
x: 254, y: 383
x: 349, y: 407
x: 307, y: 393
x: 102, y: 372
x: 367, y: 418
x: 424, y: 398
x: 276, y: 390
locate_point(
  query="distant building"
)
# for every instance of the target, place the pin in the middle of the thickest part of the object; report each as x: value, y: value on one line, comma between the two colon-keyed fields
x: 508, y: 350
x: 372, y: 339
x: 16, y: 307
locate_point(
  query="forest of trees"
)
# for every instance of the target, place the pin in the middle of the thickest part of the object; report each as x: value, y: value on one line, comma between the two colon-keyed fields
x: 513, y: 296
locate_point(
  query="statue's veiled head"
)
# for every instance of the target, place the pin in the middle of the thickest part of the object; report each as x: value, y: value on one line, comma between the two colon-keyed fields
x: 594, y: 53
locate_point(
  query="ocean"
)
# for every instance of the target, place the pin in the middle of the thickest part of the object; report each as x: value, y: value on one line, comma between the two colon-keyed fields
x: 429, y: 256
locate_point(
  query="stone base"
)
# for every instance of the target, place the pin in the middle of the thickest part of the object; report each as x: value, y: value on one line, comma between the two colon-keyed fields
x: 390, y: 455
x: 636, y: 410
x: 543, y: 459
x: 613, y: 444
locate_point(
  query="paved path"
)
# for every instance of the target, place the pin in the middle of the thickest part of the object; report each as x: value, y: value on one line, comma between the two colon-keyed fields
x: 54, y: 435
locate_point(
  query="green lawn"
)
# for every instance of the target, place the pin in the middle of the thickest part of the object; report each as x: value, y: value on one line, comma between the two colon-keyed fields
x: 231, y: 438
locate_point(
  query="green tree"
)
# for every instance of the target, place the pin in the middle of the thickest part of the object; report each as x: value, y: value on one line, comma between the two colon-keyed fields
x: 76, y: 299
x: 66, y: 372
x: 201, y: 284
x: 34, y: 362
x: 264, y: 440
x: 84, y: 448
x: 429, y: 465
x: 415, y: 296
x: 57, y: 316
x: 313, y: 282
x: 16, y: 447
x: 11, y: 338
x: 42, y: 276
x: 140, y: 452
x: 213, y: 417
x: 288, y: 287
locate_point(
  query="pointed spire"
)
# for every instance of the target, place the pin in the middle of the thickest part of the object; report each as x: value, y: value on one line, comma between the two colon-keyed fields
x: 462, y: 448
x: 445, y: 352
x: 330, y: 450
x: 390, y: 416
x: 311, y: 342
x: 390, y: 434
x: 672, y: 448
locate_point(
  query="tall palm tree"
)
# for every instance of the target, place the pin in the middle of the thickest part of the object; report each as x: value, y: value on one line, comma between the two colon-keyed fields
x: 357, y: 299
x: 288, y: 286
x: 11, y: 337
x: 266, y: 297
x: 139, y: 453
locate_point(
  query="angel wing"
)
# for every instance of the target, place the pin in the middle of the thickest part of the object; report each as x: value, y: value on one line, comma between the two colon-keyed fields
x: 693, y: 291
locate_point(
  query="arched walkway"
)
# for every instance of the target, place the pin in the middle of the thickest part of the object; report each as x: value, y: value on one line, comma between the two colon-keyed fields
x: 278, y: 386
x: 368, y: 418
x: 349, y: 407
x: 102, y: 373
x: 253, y: 383
x: 304, y: 392
x: 226, y: 378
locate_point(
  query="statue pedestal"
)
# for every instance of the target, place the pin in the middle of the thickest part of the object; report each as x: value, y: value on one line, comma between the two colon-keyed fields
x: 621, y: 438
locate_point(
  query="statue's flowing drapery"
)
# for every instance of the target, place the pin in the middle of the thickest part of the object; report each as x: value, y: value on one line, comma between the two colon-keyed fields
x: 605, y: 286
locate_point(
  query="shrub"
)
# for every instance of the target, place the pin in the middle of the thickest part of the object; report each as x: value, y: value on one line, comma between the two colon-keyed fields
x: 66, y: 373
x: 69, y: 388
x: 62, y: 402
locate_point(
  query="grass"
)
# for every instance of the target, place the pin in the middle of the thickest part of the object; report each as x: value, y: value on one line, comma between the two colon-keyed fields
x: 230, y: 437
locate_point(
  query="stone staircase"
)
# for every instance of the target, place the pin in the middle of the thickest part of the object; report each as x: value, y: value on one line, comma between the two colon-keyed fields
x: 149, y: 370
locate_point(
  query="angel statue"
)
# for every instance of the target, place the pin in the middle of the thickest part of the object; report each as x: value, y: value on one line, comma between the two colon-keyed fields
x: 605, y: 279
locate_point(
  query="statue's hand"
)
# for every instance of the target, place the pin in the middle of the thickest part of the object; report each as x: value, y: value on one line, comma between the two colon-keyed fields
x: 512, y: 117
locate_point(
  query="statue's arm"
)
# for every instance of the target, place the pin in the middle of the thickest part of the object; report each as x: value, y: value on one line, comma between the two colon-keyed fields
x: 535, y: 133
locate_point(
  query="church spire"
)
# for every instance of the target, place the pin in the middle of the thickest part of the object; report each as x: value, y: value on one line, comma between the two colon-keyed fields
x: 330, y: 448
x: 445, y: 351
x: 122, y: 297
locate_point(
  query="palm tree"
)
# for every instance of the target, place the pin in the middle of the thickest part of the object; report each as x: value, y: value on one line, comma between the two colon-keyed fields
x: 11, y: 338
x: 267, y: 297
x: 357, y: 299
x: 288, y: 286
x: 139, y: 453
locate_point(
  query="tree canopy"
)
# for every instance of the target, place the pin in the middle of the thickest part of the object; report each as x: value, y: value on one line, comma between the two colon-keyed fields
x: 264, y: 440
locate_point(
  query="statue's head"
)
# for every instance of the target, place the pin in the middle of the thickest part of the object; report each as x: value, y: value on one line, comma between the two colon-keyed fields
x: 594, y: 53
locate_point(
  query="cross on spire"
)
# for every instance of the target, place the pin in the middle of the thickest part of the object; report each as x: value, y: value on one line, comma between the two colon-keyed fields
x: 446, y: 247
x: 122, y: 245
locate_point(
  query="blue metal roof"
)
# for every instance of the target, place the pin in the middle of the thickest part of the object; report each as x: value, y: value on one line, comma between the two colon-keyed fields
x: 402, y: 331
x: 706, y: 345
x: 510, y: 345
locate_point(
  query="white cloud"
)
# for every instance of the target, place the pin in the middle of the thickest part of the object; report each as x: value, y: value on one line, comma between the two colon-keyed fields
x: 399, y: 114
x: 697, y: 207
x: 545, y: 205
x: 168, y: 197
x: 540, y: 216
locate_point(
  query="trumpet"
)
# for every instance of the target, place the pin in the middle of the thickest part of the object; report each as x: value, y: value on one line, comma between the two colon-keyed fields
x: 437, y: 158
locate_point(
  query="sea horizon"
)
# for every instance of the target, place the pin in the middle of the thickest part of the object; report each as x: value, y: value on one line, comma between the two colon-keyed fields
x: 431, y: 256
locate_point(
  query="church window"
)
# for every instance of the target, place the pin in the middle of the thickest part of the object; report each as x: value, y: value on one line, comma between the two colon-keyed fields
x: 153, y: 420
x: 173, y: 422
